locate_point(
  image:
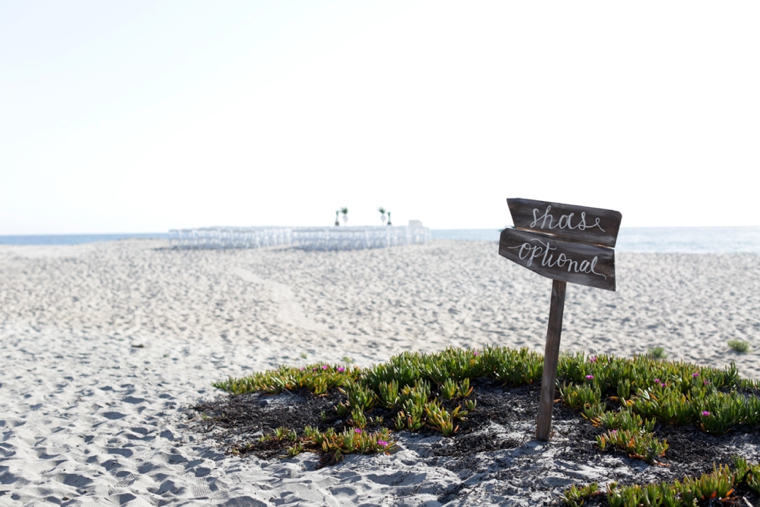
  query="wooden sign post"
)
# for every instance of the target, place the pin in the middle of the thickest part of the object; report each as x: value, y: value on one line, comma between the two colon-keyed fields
x: 567, y: 244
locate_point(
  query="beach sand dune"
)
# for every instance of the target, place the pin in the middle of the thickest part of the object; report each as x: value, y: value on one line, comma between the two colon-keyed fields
x: 104, y: 346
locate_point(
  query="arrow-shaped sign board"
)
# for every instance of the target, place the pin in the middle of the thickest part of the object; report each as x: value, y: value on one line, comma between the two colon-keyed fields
x: 574, y: 223
x: 560, y: 260
x: 566, y: 243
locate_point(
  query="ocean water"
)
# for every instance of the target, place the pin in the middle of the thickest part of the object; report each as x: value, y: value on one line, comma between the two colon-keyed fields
x: 630, y: 239
x: 75, y: 239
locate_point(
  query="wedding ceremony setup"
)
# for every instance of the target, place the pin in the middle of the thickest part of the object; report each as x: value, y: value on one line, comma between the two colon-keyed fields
x: 305, y: 238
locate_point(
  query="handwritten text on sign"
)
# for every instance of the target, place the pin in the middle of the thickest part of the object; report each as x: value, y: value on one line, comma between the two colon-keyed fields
x: 574, y: 223
x: 589, y: 265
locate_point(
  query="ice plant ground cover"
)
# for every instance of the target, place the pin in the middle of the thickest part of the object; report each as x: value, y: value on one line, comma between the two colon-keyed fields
x: 714, y: 488
x: 631, y: 405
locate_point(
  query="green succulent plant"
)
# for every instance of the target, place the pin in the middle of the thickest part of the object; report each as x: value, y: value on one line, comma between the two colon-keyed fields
x: 625, y: 396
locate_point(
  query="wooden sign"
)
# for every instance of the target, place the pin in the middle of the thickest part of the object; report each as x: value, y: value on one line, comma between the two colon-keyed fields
x: 576, y: 223
x: 579, y: 263
x: 566, y: 243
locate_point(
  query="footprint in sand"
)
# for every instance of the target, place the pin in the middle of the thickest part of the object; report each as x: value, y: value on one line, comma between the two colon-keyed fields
x: 291, y: 311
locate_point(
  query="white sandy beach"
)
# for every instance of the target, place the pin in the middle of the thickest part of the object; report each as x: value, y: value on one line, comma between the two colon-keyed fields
x: 104, y: 346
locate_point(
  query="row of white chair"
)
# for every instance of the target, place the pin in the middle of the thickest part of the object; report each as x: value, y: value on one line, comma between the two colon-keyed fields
x: 306, y: 238
x: 230, y: 237
x: 357, y: 238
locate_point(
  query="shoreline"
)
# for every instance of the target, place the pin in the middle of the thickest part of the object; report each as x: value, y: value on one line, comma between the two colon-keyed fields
x: 663, y: 239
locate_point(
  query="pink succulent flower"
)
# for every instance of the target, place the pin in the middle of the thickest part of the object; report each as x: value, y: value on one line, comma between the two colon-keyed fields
x: 589, y: 377
x: 705, y: 413
x: 695, y: 374
x: 341, y: 369
x: 324, y: 366
x: 382, y: 443
x: 592, y: 359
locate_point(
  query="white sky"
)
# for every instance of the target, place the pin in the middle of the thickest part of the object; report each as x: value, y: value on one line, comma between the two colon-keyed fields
x: 144, y: 116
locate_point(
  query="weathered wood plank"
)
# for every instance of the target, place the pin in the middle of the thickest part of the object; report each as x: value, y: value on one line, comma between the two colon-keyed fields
x: 579, y: 223
x: 551, y: 360
x: 590, y: 265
